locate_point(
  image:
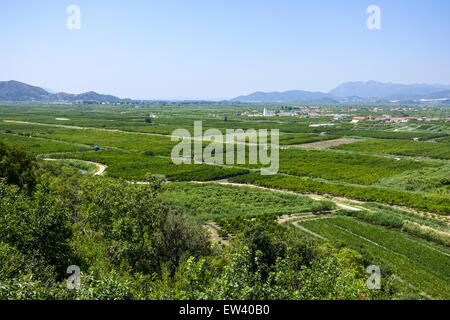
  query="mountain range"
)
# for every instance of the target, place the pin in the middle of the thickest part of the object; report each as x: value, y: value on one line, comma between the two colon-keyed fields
x: 287, y: 96
x: 349, y: 92
x: 371, y: 89
x: 358, y: 92
x: 22, y: 92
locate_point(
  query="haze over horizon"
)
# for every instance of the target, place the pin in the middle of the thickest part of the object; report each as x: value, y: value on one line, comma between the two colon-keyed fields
x: 205, y: 50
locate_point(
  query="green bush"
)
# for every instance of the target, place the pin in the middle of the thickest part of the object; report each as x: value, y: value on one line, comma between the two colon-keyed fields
x: 17, y: 166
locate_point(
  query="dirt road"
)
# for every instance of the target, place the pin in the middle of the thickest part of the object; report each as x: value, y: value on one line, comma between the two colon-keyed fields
x: 100, y: 167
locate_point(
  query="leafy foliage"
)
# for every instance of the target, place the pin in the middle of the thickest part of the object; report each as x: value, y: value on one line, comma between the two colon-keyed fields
x: 414, y: 260
x: 146, y: 241
x: 17, y: 166
x: 382, y: 195
x: 213, y: 201
x: 352, y: 168
x: 404, y: 148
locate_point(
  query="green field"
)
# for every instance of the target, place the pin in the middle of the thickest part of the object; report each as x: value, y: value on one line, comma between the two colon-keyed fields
x: 424, y: 265
x: 403, y: 148
x: 95, y: 137
x: 42, y: 146
x: 381, y: 200
x: 214, y: 201
x: 440, y: 204
x: 134, y: 166
x: 365, y: 170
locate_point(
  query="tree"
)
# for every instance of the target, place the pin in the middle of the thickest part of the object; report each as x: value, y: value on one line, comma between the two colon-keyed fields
x: 17, y: 166
x: 127, y: 215
x: 257, y: 238
x: 179, y: 238
x: 37, y: 225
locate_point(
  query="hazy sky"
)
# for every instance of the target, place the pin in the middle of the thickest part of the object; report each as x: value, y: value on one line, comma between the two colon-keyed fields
x: 221, y: 49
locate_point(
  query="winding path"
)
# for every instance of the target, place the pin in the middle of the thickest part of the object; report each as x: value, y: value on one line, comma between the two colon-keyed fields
x: 100, y: 167
x: 212, y: 228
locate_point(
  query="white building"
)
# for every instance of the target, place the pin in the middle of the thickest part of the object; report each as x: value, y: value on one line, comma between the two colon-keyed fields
x: 267, y: 113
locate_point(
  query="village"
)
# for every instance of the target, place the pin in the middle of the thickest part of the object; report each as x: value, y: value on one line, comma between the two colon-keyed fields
x: 316, y: 112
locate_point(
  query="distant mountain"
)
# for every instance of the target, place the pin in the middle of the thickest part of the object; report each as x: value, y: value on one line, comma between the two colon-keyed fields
x: 287, y: 96
x: 15, y: 90
x: 370, y: 92
x: 370, y: 89
x: 49, y: 90
x: 22, y: 92
x: 438, y: 95
x: 91, y: 96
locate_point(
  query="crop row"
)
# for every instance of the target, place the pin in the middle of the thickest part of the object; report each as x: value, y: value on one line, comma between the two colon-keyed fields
x: 212, y: 201
x: 41, y: 146
x: 440, y: 235
x: 94, y: 137
x: 347, y: 167
x: 382, y: 195
x: 408, y: 257
x: 404, y: 148
x: 136, y: 166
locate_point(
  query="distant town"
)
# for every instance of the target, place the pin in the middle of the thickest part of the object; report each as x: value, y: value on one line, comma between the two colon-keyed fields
x: 316, y: 112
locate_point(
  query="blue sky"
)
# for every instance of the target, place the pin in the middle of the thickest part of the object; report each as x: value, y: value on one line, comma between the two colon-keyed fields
x: 221, y: 49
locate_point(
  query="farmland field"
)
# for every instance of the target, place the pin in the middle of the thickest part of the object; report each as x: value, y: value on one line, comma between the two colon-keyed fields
x: 136, y: 166
x: 345, y: 196
x: 214, y: 201
x: 225, y: 159
x: 423, y: 265
x: 365, y: 170
x: 42, y: 146
x: 404, y: 148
